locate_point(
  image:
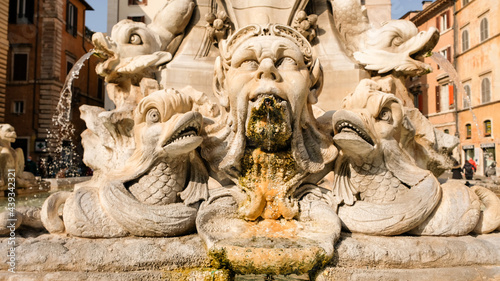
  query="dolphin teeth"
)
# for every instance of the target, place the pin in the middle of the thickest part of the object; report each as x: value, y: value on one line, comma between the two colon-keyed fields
x: 345, y: 124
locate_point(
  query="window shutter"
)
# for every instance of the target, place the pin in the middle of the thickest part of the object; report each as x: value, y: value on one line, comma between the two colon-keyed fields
x: 450, y: 94
x: 448, y: 20
x: 437, y: 24
x: 13, y: 11
x: 438, y: 99
x: 75, y: 20
x: 68, y: 17
x: 448, y: 54
x: 30, y: 10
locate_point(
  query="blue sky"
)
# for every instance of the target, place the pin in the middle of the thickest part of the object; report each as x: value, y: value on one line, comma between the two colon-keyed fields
x: 401, y: 7
x: 96, y: 20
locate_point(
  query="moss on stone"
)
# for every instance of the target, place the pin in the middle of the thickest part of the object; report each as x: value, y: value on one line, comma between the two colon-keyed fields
x: 205, y: 274
x: 268, y: 126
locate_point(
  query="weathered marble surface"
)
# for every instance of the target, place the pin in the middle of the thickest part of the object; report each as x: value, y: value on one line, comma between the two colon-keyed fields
x: 267, y: 149
x: 358, y: 257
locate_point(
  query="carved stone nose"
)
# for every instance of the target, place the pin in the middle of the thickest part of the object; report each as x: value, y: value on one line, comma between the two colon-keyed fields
x: 267, y: 70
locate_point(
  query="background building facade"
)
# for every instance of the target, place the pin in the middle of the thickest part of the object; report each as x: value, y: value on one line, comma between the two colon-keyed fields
x: 467, y: 106
x: 477, y: 60
x: 46, y: 39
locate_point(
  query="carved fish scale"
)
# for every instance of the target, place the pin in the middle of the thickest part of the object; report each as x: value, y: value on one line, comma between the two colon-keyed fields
x: 375, y: 183
x: 161, y: 185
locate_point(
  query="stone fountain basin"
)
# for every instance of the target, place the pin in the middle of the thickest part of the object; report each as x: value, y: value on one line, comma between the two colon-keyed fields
x: 357, y: 257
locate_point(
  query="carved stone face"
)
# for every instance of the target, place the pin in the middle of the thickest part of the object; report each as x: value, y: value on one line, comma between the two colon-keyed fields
x: 271, y: 141
x: 267, y: 66
x: 8, y: 133
x: 267, y: 84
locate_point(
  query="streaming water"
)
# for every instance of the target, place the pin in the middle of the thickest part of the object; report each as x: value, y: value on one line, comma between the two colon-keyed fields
x: 452, y: 72
x: 60, y: 140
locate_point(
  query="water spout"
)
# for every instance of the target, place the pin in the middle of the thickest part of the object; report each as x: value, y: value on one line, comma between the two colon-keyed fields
x: 452, y: 72
x: 61, y: 147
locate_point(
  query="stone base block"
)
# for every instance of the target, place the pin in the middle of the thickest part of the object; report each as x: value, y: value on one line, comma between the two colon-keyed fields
x: 357, y: 257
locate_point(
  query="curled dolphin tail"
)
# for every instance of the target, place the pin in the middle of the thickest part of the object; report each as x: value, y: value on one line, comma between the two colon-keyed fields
x: 351, y: 22
x: 489, y: 219
x: 404, y: 213
x: 170, y: 22
x: 49, y: 213
x: 146, y: 220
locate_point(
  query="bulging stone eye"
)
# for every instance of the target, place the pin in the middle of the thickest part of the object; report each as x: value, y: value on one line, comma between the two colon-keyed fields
x: 385, y: 114
x: 286, y: 63
x: 153, y: 116
x: 250, y: 64
x: 135, y: 39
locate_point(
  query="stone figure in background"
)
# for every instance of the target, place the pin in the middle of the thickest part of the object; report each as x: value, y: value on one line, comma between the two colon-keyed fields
x: 158, y: 190
x: 263, y: 149
x: 12, y: 161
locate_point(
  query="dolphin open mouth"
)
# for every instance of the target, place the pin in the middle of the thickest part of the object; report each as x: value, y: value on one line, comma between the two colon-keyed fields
x: 345, y: 126
x: 103, y: 45
x: 427, y: 42
x: 185, y: 136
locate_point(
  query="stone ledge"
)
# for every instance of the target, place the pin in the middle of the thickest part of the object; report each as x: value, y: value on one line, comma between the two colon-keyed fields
x: 52, y: 253
x: 358, y: 257
x: 426, y: 274
x: 361, y: 251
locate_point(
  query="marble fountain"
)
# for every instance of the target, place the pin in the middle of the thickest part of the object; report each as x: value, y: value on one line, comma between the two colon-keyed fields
x: 250, y: 177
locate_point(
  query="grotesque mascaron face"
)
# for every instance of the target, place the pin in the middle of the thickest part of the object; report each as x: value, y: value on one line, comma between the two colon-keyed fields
x: 267, y: 80
x: 267, y: 66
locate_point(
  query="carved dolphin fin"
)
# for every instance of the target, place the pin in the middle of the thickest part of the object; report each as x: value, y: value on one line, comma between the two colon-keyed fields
x: 197, y: 188
x: 343, y: 189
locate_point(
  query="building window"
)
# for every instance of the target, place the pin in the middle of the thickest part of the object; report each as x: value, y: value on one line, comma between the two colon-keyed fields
x: 468, y: 131
x: 137, y: 2
x: 71, y: 19
x: 465, y: 40
x: 444, y: 98
x: 484, y: 29
x: 485, y: 90
x: 137, y: 18
x: 100, y: 88
x: 487, y: 128
x: 443, y: 21
x: 18, y: 107
x: 446, y: 131
x: 21, y: 11
x: 20, y: 67
x: 446, y: 53
x: 467, y: 98
x: 69, y: 66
